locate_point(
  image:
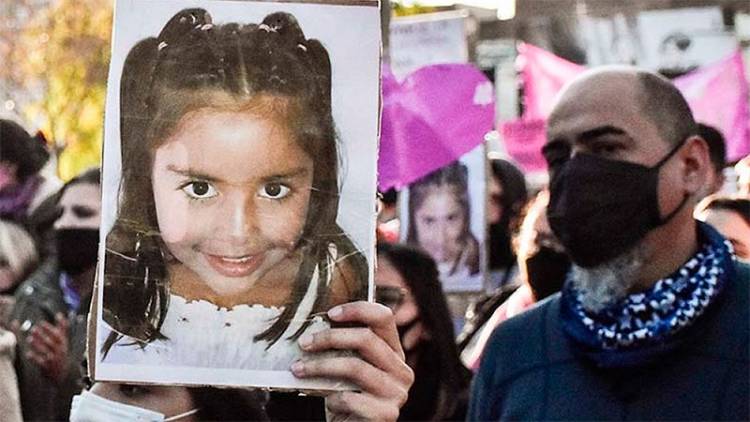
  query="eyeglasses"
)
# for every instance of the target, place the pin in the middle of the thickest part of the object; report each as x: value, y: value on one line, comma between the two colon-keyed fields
x: 390, y: 296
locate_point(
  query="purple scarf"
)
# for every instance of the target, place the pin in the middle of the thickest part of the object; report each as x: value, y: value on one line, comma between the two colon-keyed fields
x: 15, y: 200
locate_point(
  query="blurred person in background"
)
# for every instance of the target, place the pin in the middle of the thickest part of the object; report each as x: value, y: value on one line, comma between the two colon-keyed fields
x: 52, y: 305
x: 407, y: 281
x: 18, y: 258
x: 731, y: 217
x: 717, y: 151
x: 543, y: 266
x: 440, y: 223
x: 22, y: 157
x: 507, y: 196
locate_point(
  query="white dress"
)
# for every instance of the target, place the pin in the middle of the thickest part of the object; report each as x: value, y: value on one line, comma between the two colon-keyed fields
x: 200, y: 334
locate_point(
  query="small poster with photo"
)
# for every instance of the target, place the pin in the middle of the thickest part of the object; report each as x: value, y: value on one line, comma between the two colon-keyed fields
x: 238, y: 187
x: 444, y: 214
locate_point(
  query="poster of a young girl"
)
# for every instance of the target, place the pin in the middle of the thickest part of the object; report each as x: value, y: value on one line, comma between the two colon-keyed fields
x: 239, y: 179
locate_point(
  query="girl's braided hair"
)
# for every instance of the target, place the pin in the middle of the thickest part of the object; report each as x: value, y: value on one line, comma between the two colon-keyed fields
x: 194, y: 64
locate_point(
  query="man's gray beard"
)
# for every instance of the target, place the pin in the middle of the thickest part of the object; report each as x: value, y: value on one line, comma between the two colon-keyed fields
x: 608, y: 283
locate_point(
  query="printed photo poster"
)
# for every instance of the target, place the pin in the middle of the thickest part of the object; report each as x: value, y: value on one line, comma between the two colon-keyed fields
x: 425, y: 39
x: 444, y: 214
x: 239, y: 187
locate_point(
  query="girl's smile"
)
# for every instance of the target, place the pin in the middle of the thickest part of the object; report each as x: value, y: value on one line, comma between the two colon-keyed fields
x: 241, y: 266
x: 231, y: 192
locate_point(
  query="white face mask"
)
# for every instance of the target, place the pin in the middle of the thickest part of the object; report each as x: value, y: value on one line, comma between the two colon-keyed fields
x: 88, y: 407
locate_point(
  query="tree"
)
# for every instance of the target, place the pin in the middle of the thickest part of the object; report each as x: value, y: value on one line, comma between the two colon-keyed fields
x: 61, y: 56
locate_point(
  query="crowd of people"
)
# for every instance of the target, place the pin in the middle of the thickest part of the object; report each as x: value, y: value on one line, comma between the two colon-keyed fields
x: 617, y: 291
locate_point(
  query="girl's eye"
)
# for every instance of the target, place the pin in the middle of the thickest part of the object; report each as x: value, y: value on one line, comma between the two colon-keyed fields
x: 199, y: 190
x: 274, y: 191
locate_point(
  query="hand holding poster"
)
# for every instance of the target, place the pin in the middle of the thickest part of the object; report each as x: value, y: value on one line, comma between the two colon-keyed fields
x: 229, y: 236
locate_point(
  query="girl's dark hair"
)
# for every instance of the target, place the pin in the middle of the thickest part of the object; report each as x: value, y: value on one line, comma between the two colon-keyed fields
x: 456, y: 176
x: 420, y: 273
x: 267, y: 68
x: 739, y: 205
x: 512, y: 201
x: 28, y: 152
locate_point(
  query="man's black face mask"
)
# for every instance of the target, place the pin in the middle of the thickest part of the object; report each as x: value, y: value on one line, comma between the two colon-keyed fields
x: 600, y: 208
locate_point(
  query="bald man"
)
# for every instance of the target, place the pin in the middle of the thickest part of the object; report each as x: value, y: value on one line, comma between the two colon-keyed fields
x: 653, y: 320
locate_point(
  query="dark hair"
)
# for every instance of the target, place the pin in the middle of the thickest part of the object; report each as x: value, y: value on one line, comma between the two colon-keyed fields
x: 717, y: 148
x: 18, y: 147
x: 420, y: 273
x: 513, y: 199
x: 92, y: 176
x: 739, y: 205
x: 665, y: 106
x: 194, y: 64
x: 456, y: 176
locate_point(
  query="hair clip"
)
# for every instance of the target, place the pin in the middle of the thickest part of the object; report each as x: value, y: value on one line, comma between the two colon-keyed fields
x: 162, y: 45
x: 302, y: 47
x: 267, y: 28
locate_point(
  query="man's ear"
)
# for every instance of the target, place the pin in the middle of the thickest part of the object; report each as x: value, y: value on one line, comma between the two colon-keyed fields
x: 696, y: 164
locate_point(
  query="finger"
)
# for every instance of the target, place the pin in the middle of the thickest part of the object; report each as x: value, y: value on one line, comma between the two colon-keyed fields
x: 39, y: 344
x: 370, y: 379
x: 362, y: 406
x: 62, y: 323
x: 376, y: 316
x: 42, y: 335
x: 53, y: 333
x: 371, y: 347
x: 38, y: 358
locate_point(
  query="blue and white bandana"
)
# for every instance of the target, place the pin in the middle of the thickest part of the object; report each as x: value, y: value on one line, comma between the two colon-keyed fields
x: 653, y: 317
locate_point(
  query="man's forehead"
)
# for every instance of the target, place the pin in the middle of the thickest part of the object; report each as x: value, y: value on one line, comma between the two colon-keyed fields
x: 599, y: 100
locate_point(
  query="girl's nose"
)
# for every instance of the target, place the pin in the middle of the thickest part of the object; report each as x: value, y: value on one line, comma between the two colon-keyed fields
x: 241, y: 220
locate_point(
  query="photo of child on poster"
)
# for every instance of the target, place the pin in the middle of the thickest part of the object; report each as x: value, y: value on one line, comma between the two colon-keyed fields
x: 236, y: 213
x: 445, y: 212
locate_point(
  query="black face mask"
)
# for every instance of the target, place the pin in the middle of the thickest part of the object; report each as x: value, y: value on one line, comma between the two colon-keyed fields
x: 77, y: 249
x: 546, y: 270
x: 600, y: 208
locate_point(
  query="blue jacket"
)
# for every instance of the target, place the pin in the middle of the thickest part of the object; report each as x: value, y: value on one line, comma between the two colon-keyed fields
x: 530, y: 370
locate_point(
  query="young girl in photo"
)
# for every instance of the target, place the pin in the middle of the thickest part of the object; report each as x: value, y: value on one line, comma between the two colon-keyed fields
x: 439, y: 222
x: 226, y: 235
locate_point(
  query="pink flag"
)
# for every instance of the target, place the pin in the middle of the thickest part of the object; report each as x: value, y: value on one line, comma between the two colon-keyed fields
x: 717, y: 94
x: 436, y: 115
x: 543, y: 75
x: 524, y: 139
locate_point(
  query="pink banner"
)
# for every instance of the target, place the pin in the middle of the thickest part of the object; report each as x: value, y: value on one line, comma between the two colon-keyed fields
x: 432, y: 118
x: 524, y: 139
x: 543, y: 75
x: 717, y: 94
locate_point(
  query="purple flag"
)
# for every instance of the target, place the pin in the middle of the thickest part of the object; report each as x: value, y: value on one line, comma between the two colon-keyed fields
x: 436, y: 115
